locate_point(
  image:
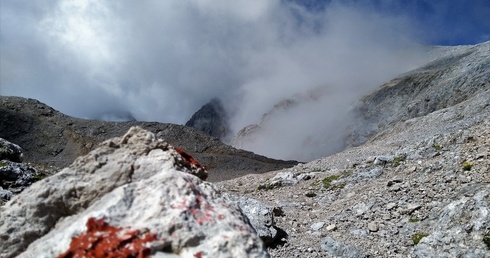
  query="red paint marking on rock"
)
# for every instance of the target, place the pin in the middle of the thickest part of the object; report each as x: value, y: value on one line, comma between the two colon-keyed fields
x: 104, y: 240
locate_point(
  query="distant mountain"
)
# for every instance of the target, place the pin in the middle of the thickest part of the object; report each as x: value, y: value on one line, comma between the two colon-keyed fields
x: 50, y: 138
x: 211, y: 119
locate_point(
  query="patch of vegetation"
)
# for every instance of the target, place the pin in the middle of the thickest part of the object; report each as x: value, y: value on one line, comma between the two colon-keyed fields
x: 3, y: 164
x: 398, y: 160
x: 417, y: 237
x: 5, y: 150
x: 327, y: 182
x: 413, y: 220
x: 317, y: 170
x: 38, y: 176
x: 437, y: 147
x: 467, y: 166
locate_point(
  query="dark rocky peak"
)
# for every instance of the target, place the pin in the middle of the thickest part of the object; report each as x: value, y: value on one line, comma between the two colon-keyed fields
x: 211, y: 119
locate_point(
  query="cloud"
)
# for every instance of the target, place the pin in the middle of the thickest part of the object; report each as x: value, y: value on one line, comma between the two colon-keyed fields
x: 162, y: 60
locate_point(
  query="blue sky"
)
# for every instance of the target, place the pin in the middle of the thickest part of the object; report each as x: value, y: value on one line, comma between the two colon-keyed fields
x: 440, y: 22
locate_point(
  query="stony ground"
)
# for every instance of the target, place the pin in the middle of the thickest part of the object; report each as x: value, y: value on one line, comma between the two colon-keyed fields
x: 425, y: 178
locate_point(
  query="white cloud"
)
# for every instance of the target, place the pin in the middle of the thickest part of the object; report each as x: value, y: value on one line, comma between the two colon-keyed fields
x: 162, y: 60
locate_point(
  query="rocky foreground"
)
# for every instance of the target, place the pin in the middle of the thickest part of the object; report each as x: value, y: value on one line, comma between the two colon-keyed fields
x: 133, y: 196
x: 426, y: 197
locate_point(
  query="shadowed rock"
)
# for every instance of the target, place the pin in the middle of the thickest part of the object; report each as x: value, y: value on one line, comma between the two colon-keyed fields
x: 211, y: 119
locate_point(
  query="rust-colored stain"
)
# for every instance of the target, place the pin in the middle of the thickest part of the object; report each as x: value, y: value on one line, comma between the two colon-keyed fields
x: 187, y: 157
x: 103, y: 240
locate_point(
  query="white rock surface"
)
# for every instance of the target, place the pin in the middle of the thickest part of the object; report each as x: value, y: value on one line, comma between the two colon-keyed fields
x: 135, y: 182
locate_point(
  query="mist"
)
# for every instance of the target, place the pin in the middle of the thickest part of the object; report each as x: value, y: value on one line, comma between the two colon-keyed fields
x: 162, y: 60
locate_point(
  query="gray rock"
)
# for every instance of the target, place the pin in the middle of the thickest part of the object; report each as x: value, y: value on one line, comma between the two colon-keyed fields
x: 317, y: 226
x: 460, y: 228
x: 372, y: 173
x: 372, y: 226
x: 284, y: 178
x: 14, y: 176
x: 281, y: 179
x: 135, y: 182
x: 5, y: 195
x: 10, y: 151
x: 338, y: 249
x: 383, y: 159
x: 331, y: 227
x: 261, y: 217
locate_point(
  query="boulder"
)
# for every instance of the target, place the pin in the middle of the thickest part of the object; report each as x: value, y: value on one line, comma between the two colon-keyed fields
x: 134, y: 195
x: 260, y: 216
x: 10, y: 151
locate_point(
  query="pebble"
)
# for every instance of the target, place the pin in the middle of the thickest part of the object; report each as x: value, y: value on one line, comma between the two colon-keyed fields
x: 372, y: 226
x: 317, y: 226
x: 331, y: 227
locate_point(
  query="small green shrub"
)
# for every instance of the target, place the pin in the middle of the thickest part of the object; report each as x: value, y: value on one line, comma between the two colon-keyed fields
x: 5, y: 150
x: 327, y: 183
x: 317, y: 170
x: 413, y: 220
x: 398, y: 160
x: 328, y: 180
x: 3, y: 164
x: 417, y: 237
x: 38, y: 177
x: 467, y: 166
x: 437, y: 147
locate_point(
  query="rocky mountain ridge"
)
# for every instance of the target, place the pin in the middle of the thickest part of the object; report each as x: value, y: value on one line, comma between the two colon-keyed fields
x: 50, y: 138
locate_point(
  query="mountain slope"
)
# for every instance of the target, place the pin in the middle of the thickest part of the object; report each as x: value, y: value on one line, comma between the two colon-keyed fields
x: 418, y: 185
x: 49, y: 137
x: 457, y: 74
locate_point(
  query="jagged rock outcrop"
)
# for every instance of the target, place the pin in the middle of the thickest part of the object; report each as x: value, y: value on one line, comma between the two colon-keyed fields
x: 139, y: 194
x: 211, y: 119
x: 52, y: 139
